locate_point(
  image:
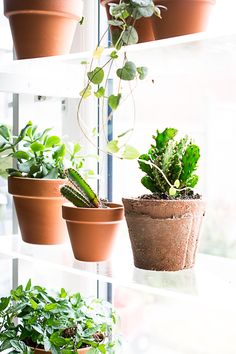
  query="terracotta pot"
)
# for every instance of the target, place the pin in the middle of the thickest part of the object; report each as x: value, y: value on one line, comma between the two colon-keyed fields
x: 38, y: 206
x: 164, y: 233
x: 182, y: 17
x: 42, y: 28
x: 80, y: 351
x: 92, y: 231
x: 143, y: 26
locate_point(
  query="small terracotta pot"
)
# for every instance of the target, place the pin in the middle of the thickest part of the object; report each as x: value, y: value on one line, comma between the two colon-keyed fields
x: 92, y: 231
x: 38, y: 206
x: 181, y: 17
x: 164, y: 233
x: 143, y: 26
x: 42, y: 28
x: 80, y: 351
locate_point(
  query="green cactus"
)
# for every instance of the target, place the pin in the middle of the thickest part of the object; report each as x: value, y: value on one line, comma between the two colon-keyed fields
x: 169, y: 164
x: 83, y: 196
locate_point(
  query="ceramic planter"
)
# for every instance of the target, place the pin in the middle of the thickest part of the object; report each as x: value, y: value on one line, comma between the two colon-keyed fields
x: 143, y: 26
x: 182, y: 17
x: 164, y: 233
x: 38, y: 206
x: 42, y: 28
x: 41, y: 351
x: 92, y: 231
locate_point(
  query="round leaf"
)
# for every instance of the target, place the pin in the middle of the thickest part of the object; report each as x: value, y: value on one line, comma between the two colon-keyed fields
x: 52, y: 141
x: 113, y: 147
x: 128, y: 72
x: 36, y: 147
x: 130, y: 153
x: 96, y: 76
x: 130, y: 36
x: 172, y: 191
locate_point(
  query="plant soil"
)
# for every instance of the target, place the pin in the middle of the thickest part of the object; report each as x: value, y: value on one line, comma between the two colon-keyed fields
x: 187, y: 195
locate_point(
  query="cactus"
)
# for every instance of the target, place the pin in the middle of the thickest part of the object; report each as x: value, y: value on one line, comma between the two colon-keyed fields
x: 83, y: 196
x: 170, y: 164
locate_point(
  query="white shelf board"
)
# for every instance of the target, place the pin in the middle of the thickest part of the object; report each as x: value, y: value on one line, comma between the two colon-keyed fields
x: 63, y: 76
x: 213, y: 280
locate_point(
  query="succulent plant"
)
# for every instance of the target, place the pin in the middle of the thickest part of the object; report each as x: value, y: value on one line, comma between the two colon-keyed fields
x: 170, y: 164
x: 82, y: 196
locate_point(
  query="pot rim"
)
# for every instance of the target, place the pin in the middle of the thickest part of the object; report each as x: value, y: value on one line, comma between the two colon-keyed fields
x: 37, y: 179
x: 164, y: 200
x: 116, y: 206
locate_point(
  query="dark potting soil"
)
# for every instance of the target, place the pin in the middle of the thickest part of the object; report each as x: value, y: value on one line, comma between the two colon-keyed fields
x: 163, y: 196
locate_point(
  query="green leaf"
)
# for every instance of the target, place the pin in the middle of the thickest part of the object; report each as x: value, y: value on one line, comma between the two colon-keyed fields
x: 192, y: 181
x: 114, y: 101
x: 57, y: 340
x: 86, y: 92
x: 96, y: 76
x: 63, y: 293
x: 149, y: 183
x: 146, y: 11
x: 130, y: 153
x: 128, y: 72
x: 59, y: 152
x: 36, y: 147
x: 115, y: 23
x: 113, y: 147
x: 20, y: 154
x: 144, y: 166
x: 4, y: 302
x: 33, y: 304
x: 4, y: 132
x: 100, y: 92
x: 28, y: 285
x: 189, y: 161
x: 50, y: 307
x: 52, y: 174
x: 130, y: 36
x: 142, y: 71
x: 52, y: 141
x: 163, y: 138
x: 172, y: 191
x: 114, y: 54
x: 177, y: 183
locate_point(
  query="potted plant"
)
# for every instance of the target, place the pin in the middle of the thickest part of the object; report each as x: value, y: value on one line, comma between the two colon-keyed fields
x: 135, y: 14
x: 34, y: 320
x: 182, y: 17
x: 92, y: 223
x: 42, y: 28
x: 164, y: 226
x: 35, y: 182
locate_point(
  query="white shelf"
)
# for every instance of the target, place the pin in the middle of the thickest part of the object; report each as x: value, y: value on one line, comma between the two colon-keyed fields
x: 63, y: 76
x: 212, y: 281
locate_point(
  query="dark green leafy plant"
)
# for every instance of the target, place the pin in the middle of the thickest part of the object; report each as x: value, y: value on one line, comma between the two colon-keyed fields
x: 38, y: 154
x: 170, y: 164
x: 124, y: 15
x: 82, y: 196
x: 31, y: 317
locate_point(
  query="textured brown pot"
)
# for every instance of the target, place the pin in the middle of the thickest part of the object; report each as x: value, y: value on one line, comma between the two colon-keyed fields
x: 143, y: 26
x: 182, y: 17
x: 42, y: 27
x: 164, y: 233
x: 41, y: 351
x: 92, y: 231
x: 38, y: 206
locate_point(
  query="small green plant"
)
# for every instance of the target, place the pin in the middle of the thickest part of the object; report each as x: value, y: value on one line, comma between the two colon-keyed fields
x: 170, y: 164
x: 82, y: 196
x: 38, y: 154
x: 124, y: 15
x: 32, y: 317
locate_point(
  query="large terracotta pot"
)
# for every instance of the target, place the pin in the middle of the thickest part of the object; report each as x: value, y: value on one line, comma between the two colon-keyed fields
x: 38, y: 206
x: 80, y: 351
x: 143, y: 26
x: 92, y: 231
x: 42, y: 27
x: 164, y: 233
x: 182, y: 17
